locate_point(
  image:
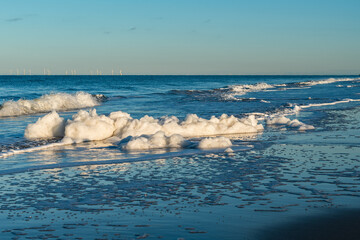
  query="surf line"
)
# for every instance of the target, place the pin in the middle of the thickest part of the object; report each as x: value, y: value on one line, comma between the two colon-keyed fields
x: 329, y: 104
x: 119, y: 161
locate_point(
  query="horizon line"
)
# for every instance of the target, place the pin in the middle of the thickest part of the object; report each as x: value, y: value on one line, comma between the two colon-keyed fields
x: 118, y: 75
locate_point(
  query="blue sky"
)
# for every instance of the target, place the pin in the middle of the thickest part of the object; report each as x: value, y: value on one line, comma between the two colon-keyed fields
x: 180, y: 37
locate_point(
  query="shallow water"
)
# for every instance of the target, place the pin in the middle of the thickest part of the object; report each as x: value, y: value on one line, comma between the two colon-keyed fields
x: 96, y: 190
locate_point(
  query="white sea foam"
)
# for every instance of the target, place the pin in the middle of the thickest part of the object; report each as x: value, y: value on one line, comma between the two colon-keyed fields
x: 229, y: 150
x: 282, y: 120
x: 192, y: 126
x: 215, y: 142
x: 330, y: 103
x: 51, y: 125
x: 157, y: 140
x: 88, y: 126
x: 163, y: 132
x: 47, y: 103
x: 278, y: 120
x: 245, y: 88
x: 232, y: 91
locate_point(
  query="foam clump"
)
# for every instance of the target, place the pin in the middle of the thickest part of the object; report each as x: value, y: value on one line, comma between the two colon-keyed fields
x: 282, y: 120
x: 51, y: 125
x: 163, y: 132
x: 88, y: 126
x: 229, y: 150
x: 192, y: 126
x: 48, y: 103
x: 215, y: 142
x: 300, y: 125
x: 157, y: 140
x: 278, y: 120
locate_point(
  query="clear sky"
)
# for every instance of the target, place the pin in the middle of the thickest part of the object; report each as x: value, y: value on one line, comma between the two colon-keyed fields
x: 180, y: 36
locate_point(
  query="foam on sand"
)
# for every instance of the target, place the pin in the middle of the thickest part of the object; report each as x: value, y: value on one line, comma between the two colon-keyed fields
x: 145, y: 133
x: 48, y: 103
x: 157, y: 140
x: 88, y: 126
x: 215, y: 142
x: 49, y: 126
x: 282, y: 120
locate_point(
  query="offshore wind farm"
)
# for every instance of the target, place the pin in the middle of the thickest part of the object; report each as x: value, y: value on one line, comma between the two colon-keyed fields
x: 47, y: 71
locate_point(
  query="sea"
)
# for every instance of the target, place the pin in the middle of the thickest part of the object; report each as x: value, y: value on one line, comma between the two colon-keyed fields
x: 180, y: 157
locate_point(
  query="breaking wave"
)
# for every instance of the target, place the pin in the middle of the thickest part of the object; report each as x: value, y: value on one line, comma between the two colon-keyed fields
x: 50, y: 102
x: 328, y: 81
x: 237, y: 92
x: 245, y: 88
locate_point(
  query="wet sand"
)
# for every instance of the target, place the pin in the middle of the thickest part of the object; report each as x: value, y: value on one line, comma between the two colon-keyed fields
x: 331, y: 224
x: 303, y: 186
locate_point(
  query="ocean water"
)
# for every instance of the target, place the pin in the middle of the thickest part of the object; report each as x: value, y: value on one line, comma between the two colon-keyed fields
x: 193, y: 157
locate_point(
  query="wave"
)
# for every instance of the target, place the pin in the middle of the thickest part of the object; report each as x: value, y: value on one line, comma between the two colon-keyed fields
x: 278, y: 118
x: 228, y: 93
x: 237, y: 92
x: 50, y: 102
x: 328, y: 81
x: 330, y: 103
x: 245, y: 88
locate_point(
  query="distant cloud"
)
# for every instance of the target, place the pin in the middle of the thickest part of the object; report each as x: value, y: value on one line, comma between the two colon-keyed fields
x: 132, y: 29
x: 21, y: 18
x: 207, y: 21
x: 107, y: 32
x: 17, y: 19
